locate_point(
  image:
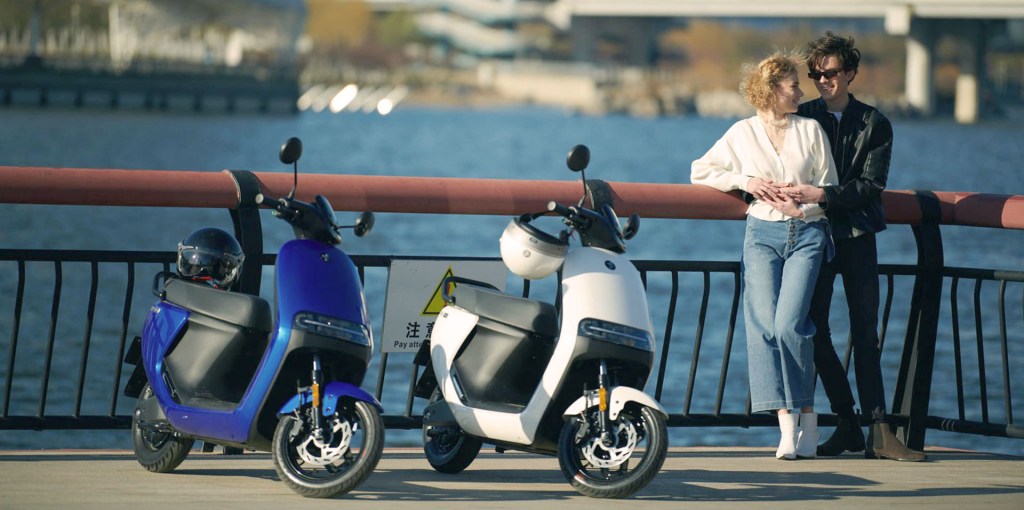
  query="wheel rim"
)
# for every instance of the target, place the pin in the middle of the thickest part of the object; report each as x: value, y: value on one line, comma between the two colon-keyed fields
x: 154, y: 440
x: 315, y: 451
x: 151, y: 438
x: 316, y: 460
x: 606, y: 456
x: 444, y: 440
x: 597, y: 461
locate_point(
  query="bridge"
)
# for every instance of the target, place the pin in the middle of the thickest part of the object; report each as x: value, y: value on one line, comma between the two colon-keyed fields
x: 637, y: 23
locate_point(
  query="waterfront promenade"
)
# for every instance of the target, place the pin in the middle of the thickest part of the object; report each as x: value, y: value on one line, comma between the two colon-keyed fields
x: 712, y: 477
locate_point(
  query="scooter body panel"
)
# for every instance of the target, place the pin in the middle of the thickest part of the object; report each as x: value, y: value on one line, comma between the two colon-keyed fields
x: 319, y: 278
x: 451, y: 330
x: 600, y: 284
x: 164, y: 326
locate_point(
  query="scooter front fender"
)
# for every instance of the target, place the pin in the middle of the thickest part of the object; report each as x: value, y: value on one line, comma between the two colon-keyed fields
x: 333, y: 393
x: 618, y: 397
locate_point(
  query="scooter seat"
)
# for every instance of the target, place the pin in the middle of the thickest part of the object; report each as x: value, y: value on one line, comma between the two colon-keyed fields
x: 235, y: 308
x: 522, y: 313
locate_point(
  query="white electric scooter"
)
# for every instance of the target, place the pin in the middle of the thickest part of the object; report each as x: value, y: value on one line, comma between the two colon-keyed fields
x: 500, y: 369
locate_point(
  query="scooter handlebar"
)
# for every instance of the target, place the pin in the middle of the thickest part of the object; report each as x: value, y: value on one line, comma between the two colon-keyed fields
x: 279, y: 205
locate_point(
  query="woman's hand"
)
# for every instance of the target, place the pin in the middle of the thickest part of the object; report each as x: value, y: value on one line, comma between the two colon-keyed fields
x: 763, y: 189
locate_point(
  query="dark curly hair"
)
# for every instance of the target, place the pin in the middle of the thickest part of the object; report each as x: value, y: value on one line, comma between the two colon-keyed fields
x: 833, y: 45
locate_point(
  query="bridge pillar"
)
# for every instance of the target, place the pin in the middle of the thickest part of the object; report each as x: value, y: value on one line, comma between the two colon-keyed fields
x: 969, y: 83
x: 920, y: 81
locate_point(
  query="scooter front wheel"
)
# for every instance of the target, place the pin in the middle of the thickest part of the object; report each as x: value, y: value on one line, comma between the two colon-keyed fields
x: 339, y: 460
x: 619, y: 467
x: 159, y: 451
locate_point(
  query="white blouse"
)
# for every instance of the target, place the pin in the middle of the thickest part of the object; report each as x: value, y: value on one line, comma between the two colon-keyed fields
x: 745, y: 152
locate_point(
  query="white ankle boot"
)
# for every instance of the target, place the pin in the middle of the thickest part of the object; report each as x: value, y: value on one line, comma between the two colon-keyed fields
x: 807, y: 440
x: 789, y: 430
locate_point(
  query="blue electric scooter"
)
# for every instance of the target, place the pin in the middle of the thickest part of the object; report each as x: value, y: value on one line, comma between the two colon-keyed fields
x: 221, y: 367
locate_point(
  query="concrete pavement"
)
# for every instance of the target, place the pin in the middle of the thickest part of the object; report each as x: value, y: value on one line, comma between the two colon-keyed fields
x: 711, y: 477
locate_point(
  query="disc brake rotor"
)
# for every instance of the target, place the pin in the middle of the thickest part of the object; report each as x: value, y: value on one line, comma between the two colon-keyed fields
x: 314, y: 451
x: 609, y: 456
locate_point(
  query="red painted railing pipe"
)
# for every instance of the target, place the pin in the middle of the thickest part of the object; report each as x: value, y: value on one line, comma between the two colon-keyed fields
x: 165, y: 188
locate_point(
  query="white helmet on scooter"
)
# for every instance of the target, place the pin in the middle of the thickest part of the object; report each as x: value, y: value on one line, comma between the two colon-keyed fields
x: 530, y: 253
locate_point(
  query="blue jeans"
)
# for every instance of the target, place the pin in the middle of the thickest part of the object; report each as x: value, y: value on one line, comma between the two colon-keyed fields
x: 780, y: 266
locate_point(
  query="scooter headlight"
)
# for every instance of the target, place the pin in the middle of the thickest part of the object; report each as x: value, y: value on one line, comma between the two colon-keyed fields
x: 617, y: 333
x: 333, y: 327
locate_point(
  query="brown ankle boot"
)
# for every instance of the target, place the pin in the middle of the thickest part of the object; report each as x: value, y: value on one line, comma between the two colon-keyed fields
x: 883, y: 444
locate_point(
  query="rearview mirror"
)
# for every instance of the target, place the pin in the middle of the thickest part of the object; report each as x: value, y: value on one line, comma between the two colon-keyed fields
x: 291, y: 151
x: 579, y: 158
x: 364, y: 223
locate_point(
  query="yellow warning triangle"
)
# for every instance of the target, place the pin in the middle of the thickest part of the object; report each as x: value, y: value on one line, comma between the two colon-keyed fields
x: 436, y: 303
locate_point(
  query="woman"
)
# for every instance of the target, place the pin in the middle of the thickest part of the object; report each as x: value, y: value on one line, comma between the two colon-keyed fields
x: 784, y: 242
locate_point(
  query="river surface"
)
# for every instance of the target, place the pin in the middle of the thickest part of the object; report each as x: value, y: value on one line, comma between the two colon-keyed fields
x: 508, y: 143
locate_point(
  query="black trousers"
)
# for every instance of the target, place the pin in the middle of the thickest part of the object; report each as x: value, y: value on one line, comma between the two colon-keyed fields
x: 856, y: 260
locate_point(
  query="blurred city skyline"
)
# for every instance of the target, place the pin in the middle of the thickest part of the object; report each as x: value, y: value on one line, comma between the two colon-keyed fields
x: 468, y: 44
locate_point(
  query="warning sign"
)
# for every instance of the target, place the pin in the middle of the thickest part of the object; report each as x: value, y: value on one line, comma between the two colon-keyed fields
x: 414, y: 296
x: 436, y: 302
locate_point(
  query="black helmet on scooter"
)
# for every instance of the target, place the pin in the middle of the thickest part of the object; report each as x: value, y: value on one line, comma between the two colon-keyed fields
x: 210, y: 254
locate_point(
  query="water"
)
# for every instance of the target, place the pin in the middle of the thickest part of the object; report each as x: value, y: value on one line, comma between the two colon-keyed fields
x: 521, y: 143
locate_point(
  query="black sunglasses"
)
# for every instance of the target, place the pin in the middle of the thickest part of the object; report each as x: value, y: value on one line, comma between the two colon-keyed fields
x: 828, y: 74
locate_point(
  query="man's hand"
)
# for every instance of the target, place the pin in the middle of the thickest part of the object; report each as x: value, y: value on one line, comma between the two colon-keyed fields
x: 786, y: 206
x: 804, y: 193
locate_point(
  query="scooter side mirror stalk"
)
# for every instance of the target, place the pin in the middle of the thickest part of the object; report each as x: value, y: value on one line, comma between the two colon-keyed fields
x: 577, y: 161
x: 632, y: 227
x: 290, y: 153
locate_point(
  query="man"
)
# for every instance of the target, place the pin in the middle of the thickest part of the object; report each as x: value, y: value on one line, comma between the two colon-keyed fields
x: 861, y: 141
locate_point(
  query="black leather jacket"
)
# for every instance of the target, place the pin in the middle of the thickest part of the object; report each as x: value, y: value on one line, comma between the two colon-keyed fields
x: 862, y: 147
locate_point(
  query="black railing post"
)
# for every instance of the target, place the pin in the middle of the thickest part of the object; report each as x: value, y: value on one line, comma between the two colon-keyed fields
x: 249, y: 231
x: 913, y: 386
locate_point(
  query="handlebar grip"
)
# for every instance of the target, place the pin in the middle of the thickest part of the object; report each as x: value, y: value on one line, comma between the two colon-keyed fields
x: 559, y: 209
x: 267, y: 201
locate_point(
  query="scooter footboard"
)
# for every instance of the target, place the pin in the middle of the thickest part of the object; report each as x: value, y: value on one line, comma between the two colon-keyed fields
x: 334, y: 392
x: 618, y: 397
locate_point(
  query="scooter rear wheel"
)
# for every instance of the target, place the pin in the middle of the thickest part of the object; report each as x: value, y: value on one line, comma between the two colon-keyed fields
x: 638, y: 450
x: 348, y: 453
x: 157, y: 451
x: 448, y: 449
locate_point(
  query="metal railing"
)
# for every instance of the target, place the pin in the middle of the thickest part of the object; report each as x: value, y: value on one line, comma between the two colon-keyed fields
x: 978, y: 394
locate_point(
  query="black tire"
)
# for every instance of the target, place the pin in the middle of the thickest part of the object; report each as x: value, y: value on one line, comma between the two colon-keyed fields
x: 159, y: 452
x: 448, y: 449
x: 336, y: 472
x: 619, y: 481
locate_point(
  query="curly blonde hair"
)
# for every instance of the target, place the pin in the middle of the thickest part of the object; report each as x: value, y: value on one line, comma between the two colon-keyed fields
x: 759, y: 80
